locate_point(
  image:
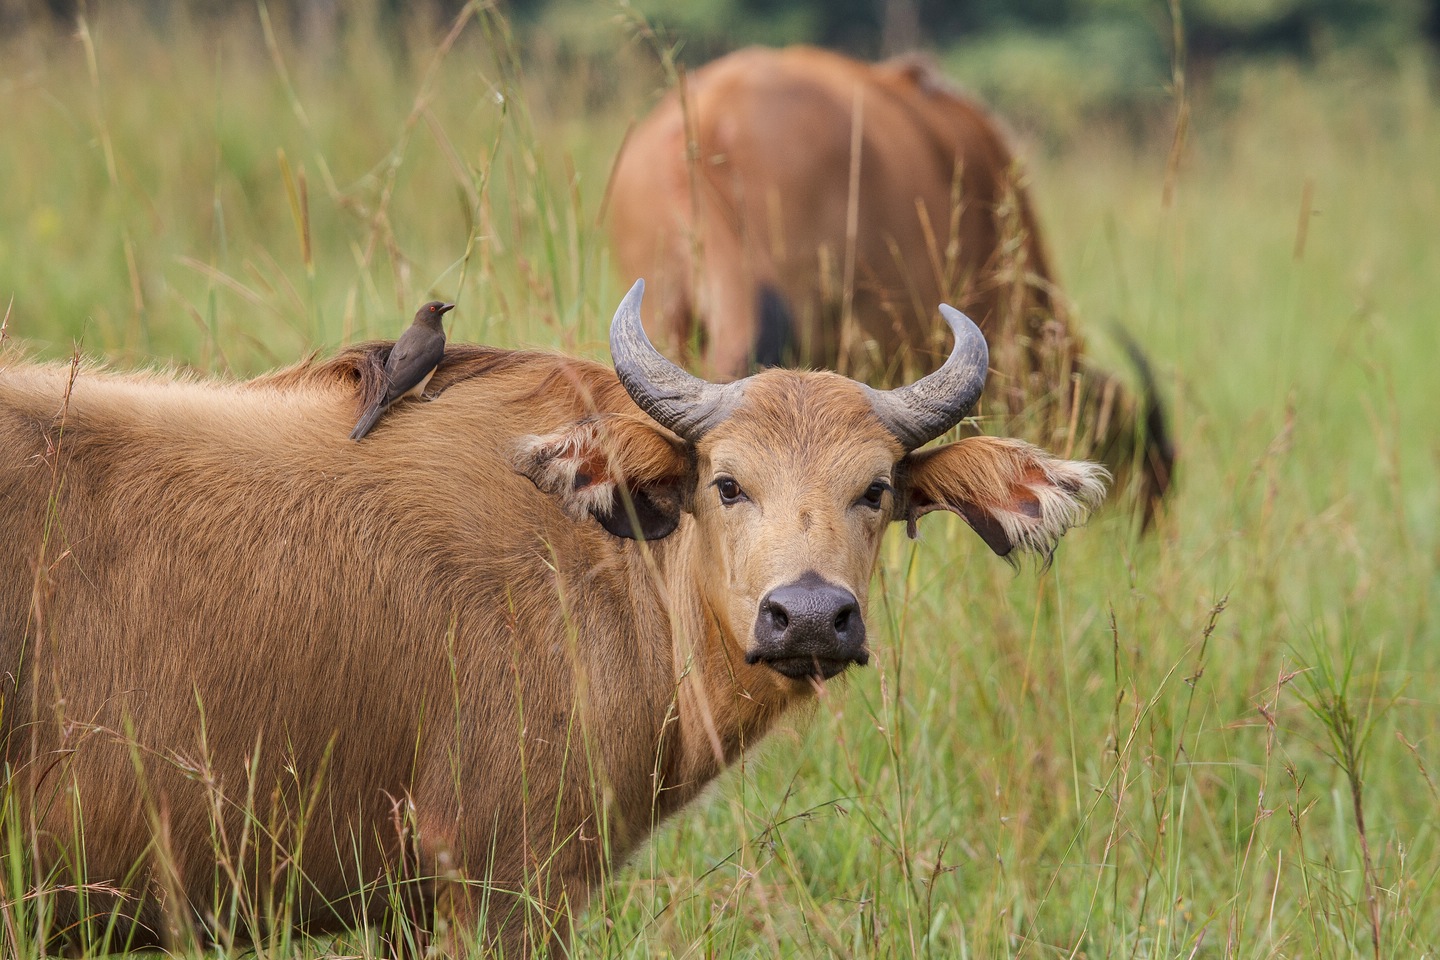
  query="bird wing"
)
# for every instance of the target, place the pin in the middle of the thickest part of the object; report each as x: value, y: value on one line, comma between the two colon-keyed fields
x: 414, y: 356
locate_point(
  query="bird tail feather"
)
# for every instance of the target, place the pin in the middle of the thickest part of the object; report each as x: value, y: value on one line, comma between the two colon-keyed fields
x: 368, y: 419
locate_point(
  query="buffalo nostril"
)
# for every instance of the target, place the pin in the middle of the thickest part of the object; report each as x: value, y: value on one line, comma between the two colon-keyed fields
x: 778, y: 617
x: 842, y: 621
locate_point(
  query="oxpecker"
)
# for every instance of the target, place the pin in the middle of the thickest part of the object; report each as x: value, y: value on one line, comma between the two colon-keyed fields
x: 412, y: 362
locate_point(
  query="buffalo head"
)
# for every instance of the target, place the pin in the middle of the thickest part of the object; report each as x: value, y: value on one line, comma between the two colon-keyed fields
x: 766, y: 498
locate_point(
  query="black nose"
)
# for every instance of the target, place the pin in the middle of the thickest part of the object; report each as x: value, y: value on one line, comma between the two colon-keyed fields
x: 809, y: 627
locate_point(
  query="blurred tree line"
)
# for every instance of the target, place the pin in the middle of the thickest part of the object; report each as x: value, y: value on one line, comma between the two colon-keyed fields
x: 1051, y: 67
x: 871, y: 28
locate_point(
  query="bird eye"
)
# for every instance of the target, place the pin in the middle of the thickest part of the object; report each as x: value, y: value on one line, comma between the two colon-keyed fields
x: 874, y: 494
x: 729, y: 490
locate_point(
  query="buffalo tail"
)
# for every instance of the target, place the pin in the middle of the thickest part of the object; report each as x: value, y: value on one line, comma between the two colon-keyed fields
x: 1159, y: 450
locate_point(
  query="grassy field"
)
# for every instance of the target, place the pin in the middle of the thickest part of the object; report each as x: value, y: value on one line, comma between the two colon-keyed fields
x: 1218, y: 740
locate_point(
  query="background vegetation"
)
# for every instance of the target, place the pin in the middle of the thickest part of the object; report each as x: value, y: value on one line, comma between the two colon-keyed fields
x: 1162, y: 747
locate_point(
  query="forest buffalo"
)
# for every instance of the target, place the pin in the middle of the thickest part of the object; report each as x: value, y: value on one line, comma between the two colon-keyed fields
x: 801, y: 208
x: 477, y: 656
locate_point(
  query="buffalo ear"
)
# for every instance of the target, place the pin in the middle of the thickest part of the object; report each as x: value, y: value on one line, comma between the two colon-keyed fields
x: 619, y: 469
x: 1012, y: 494
x: 647, y: 516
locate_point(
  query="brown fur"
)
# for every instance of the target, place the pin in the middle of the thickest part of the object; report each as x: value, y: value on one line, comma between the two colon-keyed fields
x: 435, y: 665
x: 941, y: 215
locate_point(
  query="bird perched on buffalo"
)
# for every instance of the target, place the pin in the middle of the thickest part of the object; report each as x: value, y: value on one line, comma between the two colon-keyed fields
x: 412, y: 362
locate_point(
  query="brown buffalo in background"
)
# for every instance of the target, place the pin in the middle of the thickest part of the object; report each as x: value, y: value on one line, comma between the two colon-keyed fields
x: 254, y: 673
x: 802, y: 208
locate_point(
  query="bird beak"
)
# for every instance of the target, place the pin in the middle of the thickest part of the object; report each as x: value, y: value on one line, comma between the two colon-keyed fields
x: 446, y: 308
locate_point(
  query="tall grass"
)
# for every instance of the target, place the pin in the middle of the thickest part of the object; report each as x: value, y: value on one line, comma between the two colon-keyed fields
x: 1215, y: 741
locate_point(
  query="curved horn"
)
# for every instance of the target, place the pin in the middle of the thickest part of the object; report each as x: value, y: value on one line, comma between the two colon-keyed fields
x: 683, y: 404
x: 931, y: 405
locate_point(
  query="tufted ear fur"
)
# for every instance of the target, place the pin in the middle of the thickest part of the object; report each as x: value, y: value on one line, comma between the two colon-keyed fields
x: 619, y: 469
x: 1011, y: 493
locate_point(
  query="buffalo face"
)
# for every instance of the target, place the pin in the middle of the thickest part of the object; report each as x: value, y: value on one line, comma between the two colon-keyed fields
x: 789, y: 510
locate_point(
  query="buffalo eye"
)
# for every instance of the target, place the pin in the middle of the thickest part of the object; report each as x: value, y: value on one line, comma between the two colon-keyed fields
x: 729, y: 490
x: 874, y: 494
